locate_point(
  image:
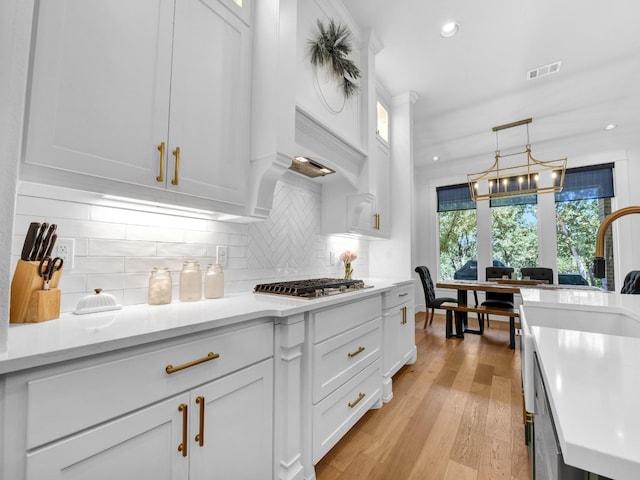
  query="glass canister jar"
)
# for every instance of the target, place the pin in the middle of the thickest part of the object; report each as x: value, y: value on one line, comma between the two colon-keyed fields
x: 160, y: 286
x: 190, y: 282
x: 214, y: 282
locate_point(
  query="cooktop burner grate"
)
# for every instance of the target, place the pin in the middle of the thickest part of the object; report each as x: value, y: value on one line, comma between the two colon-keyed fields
x: 315, y: 287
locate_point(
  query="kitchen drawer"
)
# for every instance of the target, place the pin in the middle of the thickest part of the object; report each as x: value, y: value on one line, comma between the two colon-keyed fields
x: 64, y: 403
x: 397, y: 296
x: 336, y: 414
x: 342, y: 356
x: 332, y: 321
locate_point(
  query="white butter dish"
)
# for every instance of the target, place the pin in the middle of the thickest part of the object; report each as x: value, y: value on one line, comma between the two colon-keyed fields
x: 99, y: 302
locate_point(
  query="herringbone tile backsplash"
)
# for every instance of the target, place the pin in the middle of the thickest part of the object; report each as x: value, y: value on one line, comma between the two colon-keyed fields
x: 116, y: 248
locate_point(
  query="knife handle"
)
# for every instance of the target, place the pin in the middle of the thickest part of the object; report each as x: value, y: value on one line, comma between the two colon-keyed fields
x: 29, y: 240
x: 44, y: 246
x: 38, y: 242
x: 52, y: 242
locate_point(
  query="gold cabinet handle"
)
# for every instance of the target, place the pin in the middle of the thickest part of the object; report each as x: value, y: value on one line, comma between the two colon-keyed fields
x: 353, y: 354
x: 176, y: 171
x: 403, y: 294
x: 185, y: 419
x: 210, y: 356
x: 357, y: 400
x: 404, y: 315
x: 200, y: 435
x: 161, y: 149
x: 376, y: 221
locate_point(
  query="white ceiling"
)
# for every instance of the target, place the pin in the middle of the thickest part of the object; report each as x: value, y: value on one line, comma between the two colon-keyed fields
x: 477, y: 79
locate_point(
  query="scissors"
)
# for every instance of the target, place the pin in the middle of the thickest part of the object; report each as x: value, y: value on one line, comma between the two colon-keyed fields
x: 47, y: 268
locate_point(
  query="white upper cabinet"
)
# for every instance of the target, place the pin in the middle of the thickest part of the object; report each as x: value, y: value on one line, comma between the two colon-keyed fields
x: 120, y: 89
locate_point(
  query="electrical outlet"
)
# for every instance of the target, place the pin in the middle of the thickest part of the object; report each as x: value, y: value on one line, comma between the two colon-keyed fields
x: 332, y: 258
x: 65, y: 249
x: 222, y: 255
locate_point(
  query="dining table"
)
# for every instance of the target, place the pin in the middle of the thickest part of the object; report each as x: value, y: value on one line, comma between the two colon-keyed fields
x: 498, y: 285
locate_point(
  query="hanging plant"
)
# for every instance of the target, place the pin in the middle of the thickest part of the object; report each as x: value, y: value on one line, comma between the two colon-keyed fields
x: 331, y: 49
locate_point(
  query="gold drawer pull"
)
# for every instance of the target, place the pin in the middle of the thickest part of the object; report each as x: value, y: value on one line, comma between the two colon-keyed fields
x: 161, y: 149
x: 176, y: 171
x: 404, y: 294
x: 210, y: 356
x: 528, y: 420
x: 357, y: 400
x: 200, y: 435
x: 353, y: 354
x: 185, y: 420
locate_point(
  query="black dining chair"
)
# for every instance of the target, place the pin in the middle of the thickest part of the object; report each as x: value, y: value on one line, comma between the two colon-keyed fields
x: 496, y: 299
x: 432, y: 302
x: 631, y: 283
x: 538, y: 273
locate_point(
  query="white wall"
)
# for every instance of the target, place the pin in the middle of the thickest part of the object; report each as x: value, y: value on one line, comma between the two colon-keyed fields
x: 15, y: 19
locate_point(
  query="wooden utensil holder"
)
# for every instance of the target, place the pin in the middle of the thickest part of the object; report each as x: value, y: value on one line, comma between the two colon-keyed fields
x: 29, y: 301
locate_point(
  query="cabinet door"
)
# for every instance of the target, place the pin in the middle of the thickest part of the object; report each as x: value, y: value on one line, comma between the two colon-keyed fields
x: 210, y: 101
x: 398, y: 337
x: 237, y: 426
x: 408, y: 332
x: 391, y: 355
x: 99, y: 101
x: 380, y: 174
x: 137, y: 446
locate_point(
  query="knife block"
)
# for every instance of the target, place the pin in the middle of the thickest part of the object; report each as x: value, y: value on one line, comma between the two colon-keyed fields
x: 29, y: 302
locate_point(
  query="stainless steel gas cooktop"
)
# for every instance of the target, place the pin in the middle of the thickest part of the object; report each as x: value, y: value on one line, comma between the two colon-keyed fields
x: 311, y: 288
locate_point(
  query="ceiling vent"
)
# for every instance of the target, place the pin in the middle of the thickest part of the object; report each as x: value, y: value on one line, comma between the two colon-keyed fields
x: 544, y: 70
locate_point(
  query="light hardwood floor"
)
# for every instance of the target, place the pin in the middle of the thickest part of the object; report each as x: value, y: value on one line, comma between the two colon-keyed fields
x: 456, y: 414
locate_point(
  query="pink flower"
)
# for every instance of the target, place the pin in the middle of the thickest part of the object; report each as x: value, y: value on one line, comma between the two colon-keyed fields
x: 348, y: 257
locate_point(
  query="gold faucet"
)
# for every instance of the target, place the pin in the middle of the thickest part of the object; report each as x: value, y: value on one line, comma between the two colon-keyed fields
x: 598, y: 263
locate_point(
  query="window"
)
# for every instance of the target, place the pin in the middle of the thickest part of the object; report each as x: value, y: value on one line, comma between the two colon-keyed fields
x: 382, y: 128
x: 458, y: 233
x: 583, y: 203
x: 514, y: 231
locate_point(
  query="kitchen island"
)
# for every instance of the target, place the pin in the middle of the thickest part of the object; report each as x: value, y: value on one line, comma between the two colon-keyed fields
x: 587, y: 346
x: 246, y: 386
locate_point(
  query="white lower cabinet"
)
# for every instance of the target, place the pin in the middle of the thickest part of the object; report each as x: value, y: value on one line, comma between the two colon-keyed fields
x: 140, y: 445
x: 345, y: 369
x: 398, y: 334
x: 198, y: 408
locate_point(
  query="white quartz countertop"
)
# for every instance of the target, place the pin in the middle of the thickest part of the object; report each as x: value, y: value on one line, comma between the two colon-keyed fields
x: 74, y: 336
x: 593, y: 382
x: 581, y: 299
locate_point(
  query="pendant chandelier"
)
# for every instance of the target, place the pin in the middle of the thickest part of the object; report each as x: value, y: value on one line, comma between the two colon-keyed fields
x: 517, y: 174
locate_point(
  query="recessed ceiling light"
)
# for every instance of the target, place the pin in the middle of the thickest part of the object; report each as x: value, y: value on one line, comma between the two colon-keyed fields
x: 611, y: 126
x: 436, y: 158
x: 449, y: 29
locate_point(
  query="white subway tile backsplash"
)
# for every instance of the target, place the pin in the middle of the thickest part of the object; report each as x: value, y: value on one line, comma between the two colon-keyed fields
x: 154, y: 234
x: 71, y: 283
x: 121, y: 248
x: 51, y: 209
x: 140, y: 280
x: 106, y: 282
x: 98, y: 265
x: 182, y: 250
x: 78, y: 228
x: 116, y: 248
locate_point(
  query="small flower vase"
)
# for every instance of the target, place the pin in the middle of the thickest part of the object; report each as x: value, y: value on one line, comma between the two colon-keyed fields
x: 348, y: 271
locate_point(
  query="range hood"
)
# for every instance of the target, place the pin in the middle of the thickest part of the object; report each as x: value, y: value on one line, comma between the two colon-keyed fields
x: 309, y: 167
x: 317, y: 141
